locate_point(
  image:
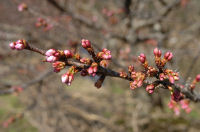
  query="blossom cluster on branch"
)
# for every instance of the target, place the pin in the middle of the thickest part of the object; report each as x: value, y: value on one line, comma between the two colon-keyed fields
x: 98, y: 63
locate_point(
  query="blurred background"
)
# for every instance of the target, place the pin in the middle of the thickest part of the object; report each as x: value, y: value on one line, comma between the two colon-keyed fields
x: 127, y: 28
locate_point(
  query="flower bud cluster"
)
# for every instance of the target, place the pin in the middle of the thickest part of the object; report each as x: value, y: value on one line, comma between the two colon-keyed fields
x: 18, y: 45
x: 138, y: 78
x: 150, y: 88
x: 85, y: 61
x: 142, y: 58
x: 184, y: 104
x: 123, y: 74
x: 68, y: 53
x: 52, y: 55
x: 86, y: 43
x: 157, y: 52
x: 160, y: 63
x: 168, y: 56
x: 93, y: 69
x: 150, y: 71
x: 67, y: 78
x: 105, y: 54
x: 169, y: 74
x: 58, y: 66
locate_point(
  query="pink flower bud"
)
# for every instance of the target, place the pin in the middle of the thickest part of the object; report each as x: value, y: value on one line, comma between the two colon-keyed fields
x: 133, y: 85
x: 12, y: 45
x: 90, y: 70
x: 106, y: 51
x: 198, y: 78
x: 19, y: 46
x: 150, y: 88
x: 157, y: 52
x: 51, y: 59
x: 171, y: 79
x: 140, y: 82
x: 65, y: 77
x: 106, y: 57
x: 162, y: 77
x: 68, y: 53
x: 168, y: 56
x: 22, y: 7
x: 105, y: 54
x: 95, y: 69
x: 142, y: 58
x: 50, y: 52
x: 58, y: 65
x: 86, y: 43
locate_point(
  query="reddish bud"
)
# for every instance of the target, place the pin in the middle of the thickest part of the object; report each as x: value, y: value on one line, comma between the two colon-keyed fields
x: 171, y: 79
x: 52, y: 55
x: 168, y: 56
x: 162, y: 76
x: 58, y: 65
x: 142, y: 58
x: 12, y: 45
x: 51, y: 59
x: 150, y: 88
x: 86, y: 43
x: 90, y: 70
x: 93, y: 69
x: 68, y: 53
x: 133, y: 85
x: 139, y: 83
x: 85, y: 60
x: 198, y: 78
x: 157, y: 52
x: 105, y: 54
x: 67, y: 78
x: 18, y: 45
x: 50, y: 52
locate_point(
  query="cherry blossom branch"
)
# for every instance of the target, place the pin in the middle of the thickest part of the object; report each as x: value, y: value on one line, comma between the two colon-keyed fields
x: 98, y: 66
